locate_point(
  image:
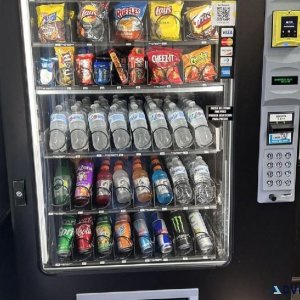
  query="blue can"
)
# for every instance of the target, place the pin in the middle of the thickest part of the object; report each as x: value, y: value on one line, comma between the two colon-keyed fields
x: 143, y: 234
x: 161, y: 233
x: 102, y: 71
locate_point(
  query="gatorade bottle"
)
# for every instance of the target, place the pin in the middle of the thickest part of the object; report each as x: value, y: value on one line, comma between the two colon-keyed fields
x: 141, y: 182
x: 104, y: 184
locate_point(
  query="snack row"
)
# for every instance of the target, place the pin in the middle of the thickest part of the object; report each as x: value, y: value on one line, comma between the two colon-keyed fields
x: 156, y: 65
x: 89, y: 21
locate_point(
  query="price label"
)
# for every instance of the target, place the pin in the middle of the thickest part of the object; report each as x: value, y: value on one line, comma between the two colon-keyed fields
x: 80, y: 213
x: 124, y: 261
x: 123, y: 210
x: 101, y: 211
x: 84, y: 263
x: 119, y: 87
x: 102, y: 262
x: 185, y: 258
x: 102, y: 87
x: 164, y: 208
x: 165, y: 259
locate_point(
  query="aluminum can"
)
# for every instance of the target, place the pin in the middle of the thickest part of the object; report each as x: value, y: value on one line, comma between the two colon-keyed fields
x: 104, y: 235
x: 161, y: 233
x: 200, y: 231
x: 123, y: 233
x: 84, y: 235
x: 65, y: 237
x: 142, y: 232
x: 181, y: 231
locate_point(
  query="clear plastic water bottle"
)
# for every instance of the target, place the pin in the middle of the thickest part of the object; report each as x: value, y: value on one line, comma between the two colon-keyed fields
x: 159, y: 127
x: 182, y: 188
x: 58, y: 130
x: 178, y: 123
x: 121, y: 183
x: 196, y: 119
x: 98, y: 127
x: 78, y: 129
x: 139, y: 127
x: 204, y: 186
x: 118, y: 127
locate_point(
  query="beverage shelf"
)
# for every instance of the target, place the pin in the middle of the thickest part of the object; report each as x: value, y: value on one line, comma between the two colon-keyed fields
x: 119, y: 89
x: 131, y: 210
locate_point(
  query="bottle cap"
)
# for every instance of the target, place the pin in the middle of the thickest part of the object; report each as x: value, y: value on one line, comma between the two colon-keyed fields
x: 157, y: 167
x: 104, y: 168
x: 137, y: 166
x: 119, y: 165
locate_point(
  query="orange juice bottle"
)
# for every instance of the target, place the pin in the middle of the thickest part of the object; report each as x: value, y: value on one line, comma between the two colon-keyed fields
x: 141, y: 182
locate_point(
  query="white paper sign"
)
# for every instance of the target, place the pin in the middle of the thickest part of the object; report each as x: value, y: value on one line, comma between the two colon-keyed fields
x: 223, y: 13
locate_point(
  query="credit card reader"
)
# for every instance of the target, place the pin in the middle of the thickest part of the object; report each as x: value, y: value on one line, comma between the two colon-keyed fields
x: 280, y: 103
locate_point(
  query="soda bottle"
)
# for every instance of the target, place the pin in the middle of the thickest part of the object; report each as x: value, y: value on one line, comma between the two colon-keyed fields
x: 118, y: 126
x: 139, y: 127
x: 182, y: 188
x: 62, y: 183
x: 78, y: 129
x: 104, y: 235
x: 121, y: 183
x: 196, y: 119
x: 123, y: 233
x: 160, y: 180
x: 141, y: 182
x: 181, y: 231
x: 104, y: 184
x: 66, y: 236
x: 158, y: 124
x: 142, y: 232
x: 83, y: 191
x: 98, y: 127
x: 58, y: 130
x: 161, y: 233
x: 200, y: 231
x: 84, y: 234
x: 177, y: 121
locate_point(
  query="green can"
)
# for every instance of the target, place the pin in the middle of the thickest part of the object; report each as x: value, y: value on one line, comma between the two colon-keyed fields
x: 66, y: 236
x: 104, y: 235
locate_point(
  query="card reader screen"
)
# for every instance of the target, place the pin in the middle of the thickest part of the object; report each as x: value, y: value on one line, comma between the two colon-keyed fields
x: 289, y: 26
x: 284, y: 80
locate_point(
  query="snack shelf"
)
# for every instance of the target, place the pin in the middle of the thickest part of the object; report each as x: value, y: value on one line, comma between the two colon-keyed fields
x: 131, y: 210
x: 119, y: 89
x: 129, y: 44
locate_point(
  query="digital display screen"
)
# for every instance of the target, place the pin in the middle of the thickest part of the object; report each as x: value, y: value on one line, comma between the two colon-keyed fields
x: 284, y: 80
x: 289, y: 26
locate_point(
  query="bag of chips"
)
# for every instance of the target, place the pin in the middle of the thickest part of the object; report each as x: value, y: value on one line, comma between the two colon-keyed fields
x: 136, y: 66
x: 128, y: 20
x: 84, y: 68
x: 197, y: 65
x: 65, y: 56
x: 163, y: 63
x: 50, y: 21
x: 92, y: 19
x: 199, y: 20
x: 165, y: 18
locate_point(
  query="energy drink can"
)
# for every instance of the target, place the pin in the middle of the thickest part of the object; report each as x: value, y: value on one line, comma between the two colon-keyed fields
x: 161, y: 233
x: 181, y: 231
x: 200, y: 231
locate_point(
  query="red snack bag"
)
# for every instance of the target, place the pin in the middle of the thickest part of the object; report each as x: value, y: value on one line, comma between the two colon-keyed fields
x: 84, y: 68
x: 163, y: 63
x: 136, y: 66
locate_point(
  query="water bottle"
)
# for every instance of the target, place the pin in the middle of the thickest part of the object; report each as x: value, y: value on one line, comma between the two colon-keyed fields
x: 182, y: 188
x: 118, y: 126
x: 161, y: 183
x: 139, y: 127
x: 58, y: 130
x: 177, y: 121
x: 196, y: 119
x: 121, y: 183
x: 204, y: 186
x: 98, y: 127
x: 158, y: 126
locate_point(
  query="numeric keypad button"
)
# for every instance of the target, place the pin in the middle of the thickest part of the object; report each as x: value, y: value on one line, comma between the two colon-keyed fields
x: 279, y: 164
x: 270, y: 174
x: 270, y: 182
x: 288, y: 155
x: 269, y: 155
x: 287, y: 182
x: 278, y: 173
x: 278, y: 182
x: 278, y: 155
x: 288, y: 164
x: 270, y: 165
x: 287, y: 173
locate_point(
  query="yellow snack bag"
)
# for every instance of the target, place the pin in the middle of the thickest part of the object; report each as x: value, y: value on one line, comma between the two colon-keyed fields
x: 50, y: 21
x: 165, y: 18
x: 65, y: 57
x: 199, y: 20
x: 197, y: 65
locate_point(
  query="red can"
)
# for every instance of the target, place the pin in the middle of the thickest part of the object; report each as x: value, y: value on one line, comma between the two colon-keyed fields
x: 83, y: 234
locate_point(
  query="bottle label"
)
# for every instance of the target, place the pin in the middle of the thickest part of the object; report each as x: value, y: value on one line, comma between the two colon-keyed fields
x: 116, y: 118
x: 179, y: 170
x: 201, y: 170
x: 177, y: 119
x: 61, y: 188
x: 84, y: 180
x: 197, y: 118
x: 103, y: 187
x: 142, y: 185
x: 96, y: 117
x: 123, y: 183
x: 157, y: 120
x: 58, y: 117
x: 76, y: 117
x: 162, y: 186
x: 137, y: 120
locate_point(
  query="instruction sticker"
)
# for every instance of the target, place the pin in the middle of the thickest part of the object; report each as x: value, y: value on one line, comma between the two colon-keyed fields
x: 220, y: 113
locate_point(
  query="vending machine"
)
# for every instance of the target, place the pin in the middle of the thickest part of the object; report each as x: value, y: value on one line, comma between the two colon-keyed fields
x: 131, y: 133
